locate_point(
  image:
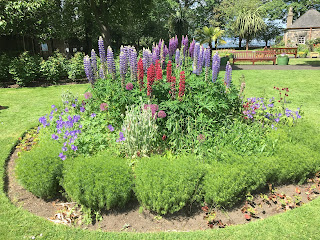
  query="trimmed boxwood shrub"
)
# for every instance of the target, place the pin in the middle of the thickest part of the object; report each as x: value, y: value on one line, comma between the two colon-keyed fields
x: 40, y: 169
x: 226, y: 184
x: 166, y: 185
x: 99, y: 182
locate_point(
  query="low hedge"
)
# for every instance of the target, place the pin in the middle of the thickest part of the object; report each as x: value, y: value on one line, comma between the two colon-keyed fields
x: 99, y: 182
x: 40, y: 169
x: 166, y: 185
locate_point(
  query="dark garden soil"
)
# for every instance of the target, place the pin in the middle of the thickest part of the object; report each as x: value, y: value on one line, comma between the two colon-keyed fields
x: 135, y: 219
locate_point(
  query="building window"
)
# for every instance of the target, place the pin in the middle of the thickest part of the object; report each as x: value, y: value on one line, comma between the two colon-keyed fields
x: 301, y: 40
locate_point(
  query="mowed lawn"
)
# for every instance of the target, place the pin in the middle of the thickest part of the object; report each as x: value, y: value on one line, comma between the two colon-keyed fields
x: 26, y: 105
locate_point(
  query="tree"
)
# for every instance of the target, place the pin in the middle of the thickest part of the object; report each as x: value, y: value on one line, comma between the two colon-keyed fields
x: 271, y: 31
x: 248, y: 24
x: 209, y: 35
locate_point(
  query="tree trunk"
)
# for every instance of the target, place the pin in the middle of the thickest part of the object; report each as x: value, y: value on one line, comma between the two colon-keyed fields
x: 247, y: 44
x: 216, y: 44
x: 105, y: 33
x: 240, y: 40
x: 24, y: 43
x: 266, y: 43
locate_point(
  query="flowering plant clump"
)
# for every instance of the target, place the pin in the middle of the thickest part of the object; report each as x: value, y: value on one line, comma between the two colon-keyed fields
x: 272, y: 112
x: 178, y: 111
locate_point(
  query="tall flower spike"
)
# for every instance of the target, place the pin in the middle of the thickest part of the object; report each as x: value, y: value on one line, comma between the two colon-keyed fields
x: 150, y: 79
x: 215, y: 67
x: 133, y: 64
x: 123, y: 65
x: 158, y: 71
x: 94, y: 64
x: 173, y: 87
x: 200, y: 61
x: 101, y: 72
x: 140, y: 73
x: 110, y: 63
x: 169, y: 71
x: 196, y: 57
x: 177, y: 58
x: 191, y: 49
x: 182, y: 85
x: 207, y: 62
x: 102, y: 51
x: 88, y: 69
x: 228, y: 75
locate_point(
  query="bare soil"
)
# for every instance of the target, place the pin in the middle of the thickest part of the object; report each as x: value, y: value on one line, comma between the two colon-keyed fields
x: 136, y: 219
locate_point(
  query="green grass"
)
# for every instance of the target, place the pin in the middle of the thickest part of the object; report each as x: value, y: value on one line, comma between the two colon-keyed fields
x: 26, y: 105
x: 292, y: 61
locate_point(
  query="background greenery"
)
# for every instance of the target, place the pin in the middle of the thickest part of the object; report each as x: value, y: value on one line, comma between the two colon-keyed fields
x: 28, y: 104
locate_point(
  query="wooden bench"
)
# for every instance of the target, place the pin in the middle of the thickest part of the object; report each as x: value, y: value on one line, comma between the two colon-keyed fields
x: 278, y: 51
x: 254, y: 56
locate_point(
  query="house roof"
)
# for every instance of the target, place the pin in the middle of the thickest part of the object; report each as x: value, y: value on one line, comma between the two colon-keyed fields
x: 310, y: 19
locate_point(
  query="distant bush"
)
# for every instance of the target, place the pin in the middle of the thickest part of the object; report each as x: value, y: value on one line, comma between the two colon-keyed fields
x: 166, y: 185
x: 100, y: 182
x: 4, y: 68
x: 55, y: 68
x: 39, y: 170
x: 75, y: 67
x: 24, y: 69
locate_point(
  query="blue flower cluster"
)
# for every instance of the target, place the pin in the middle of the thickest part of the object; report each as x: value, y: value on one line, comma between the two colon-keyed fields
x: 256, y: 107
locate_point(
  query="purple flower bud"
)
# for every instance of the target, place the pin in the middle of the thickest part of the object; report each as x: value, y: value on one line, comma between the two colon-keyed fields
x: 94, y: 63
x: 215, y: 66
x: 110, y: 62
x: 63, y: 157
x: 177, y: 58
x: 110, y: 128
x: 191, y: 49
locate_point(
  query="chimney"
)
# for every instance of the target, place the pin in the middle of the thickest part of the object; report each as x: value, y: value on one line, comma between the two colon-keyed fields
x: 290, y: 17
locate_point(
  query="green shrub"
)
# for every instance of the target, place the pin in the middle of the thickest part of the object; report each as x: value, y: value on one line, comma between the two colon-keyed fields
x: 226, y: 184
x: 24, y: 69
x: 55, y: 68
x: 4, y: 68
x: 75, y: 67
x: 167, y: 185
x: 99, y: 182
x: 40, y: 170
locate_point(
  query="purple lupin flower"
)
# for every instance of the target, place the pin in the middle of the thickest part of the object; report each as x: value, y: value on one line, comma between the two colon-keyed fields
x: 145, y: 60
x: 110, y: 63
x: 200, y: 61
x: 102, y: 51
x: 215, y: 66
x: 88, y: 69
x: 191, y: 49
x: 154, y: 56
x: 207, y: 56
x: 185, y: 44
x: 228, y: 75
x: 171, y: 48
x: 165, y: 51
x: 123, y: 63
x: 94, y: 64
x: 196, y: 57
x: 177, y: 58
x: 133, y: 64
x: 101, y: 73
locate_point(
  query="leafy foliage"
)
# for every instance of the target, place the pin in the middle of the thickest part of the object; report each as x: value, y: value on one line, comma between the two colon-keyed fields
x: 24, y: 69
x: 55, y: 68
x: 75, y: 67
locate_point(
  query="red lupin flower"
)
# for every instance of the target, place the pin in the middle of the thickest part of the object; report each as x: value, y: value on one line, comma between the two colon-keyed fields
x: 169, y: 71
x: 182, y: 84
x: 158, y: 71
x: 150, y: 79
x: 173, y: 87
x: 140, y: 73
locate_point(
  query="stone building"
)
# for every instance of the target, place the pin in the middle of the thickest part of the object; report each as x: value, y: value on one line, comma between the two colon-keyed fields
x: 305, y: 28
